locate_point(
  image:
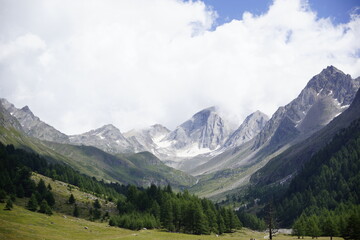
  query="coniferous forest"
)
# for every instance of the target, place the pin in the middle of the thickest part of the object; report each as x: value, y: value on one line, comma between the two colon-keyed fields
x: 324, y: 198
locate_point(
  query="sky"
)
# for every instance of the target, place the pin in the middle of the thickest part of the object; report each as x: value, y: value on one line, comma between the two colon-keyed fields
x: 82, y: 64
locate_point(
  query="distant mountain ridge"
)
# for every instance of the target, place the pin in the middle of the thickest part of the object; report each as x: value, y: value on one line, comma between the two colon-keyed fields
x: 108, y: 138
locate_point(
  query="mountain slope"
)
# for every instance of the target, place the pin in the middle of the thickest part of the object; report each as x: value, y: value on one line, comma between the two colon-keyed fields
x: 329, y: 178
x: 290, y: 161
x: 32, y: 125
x: 121, y: 168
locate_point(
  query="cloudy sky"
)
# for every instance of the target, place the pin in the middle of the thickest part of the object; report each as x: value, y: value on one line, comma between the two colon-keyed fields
x: 81, y: 64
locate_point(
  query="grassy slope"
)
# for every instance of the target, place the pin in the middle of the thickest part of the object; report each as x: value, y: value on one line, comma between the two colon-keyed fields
x: 62, y: 191
x: 20, y: 223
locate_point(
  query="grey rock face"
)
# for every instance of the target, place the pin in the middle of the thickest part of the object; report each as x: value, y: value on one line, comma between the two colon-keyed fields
x: 251, y: 126
x: 206, y: 129
x: 325, y: 96
x: 33, y: 126
x: 107, y: 138
x: 6, y: 119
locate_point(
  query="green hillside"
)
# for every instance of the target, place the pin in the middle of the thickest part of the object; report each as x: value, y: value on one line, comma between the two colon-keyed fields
x: 97, y: 163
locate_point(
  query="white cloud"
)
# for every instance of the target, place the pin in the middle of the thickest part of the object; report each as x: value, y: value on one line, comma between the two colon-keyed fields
x: 81, y: 64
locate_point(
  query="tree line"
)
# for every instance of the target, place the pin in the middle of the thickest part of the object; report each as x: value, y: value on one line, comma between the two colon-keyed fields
x: 344, y: 222
x: 157, y: 207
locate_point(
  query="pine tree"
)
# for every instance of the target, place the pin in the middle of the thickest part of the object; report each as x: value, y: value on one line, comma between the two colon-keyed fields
x: 2, y: 196
x: 44, y: 208
x: 71, y: 199
x: 20, y: 193
x: 49, y: 197
x: 76, y: 211
x: 201, y: 225
x: 330, y: 228
x: 167, y: 216
x: 41, y: 188
x: 32, y: 204
x: 313, y: 227
x: 221, y: 224
x: 353, y: 229
x: 49, y: 187
x: 96, y: 204
x: 9, y: 204
x: 299, y: 227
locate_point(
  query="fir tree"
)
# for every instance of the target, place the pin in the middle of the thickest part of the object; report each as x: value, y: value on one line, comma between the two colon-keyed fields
x: 41, y: 188
x: 2, y: 196
x: 299, y: 227
x: 76, y: 211
x: 9, y: 204
x: 20, y: 193
x: 71, y: 199
x: 44, y: 208
x: 353, y: 227
x: 49, y: 197
x: 96, y: 204
x: 33, y: 203
x: 330, y: 228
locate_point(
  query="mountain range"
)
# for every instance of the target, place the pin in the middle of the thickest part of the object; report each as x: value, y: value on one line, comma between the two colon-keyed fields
x: 205, y: 146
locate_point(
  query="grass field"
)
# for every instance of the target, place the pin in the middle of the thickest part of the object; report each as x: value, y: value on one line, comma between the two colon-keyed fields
x: 21, y: 224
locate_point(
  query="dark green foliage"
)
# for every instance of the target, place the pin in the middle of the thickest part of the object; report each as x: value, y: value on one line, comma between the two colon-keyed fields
x: 344, y: 222
x: 251, y: 221
x: 179, y: 212
x: 330, y: 178
x: 9, y: 204
x: 299, y: 227
x: 71, y: 199
x: 97, y: 204
x: 2, y: 196
x: 134, y: 221
x: 76, y: 212
x: 45, y: 208
x: 352, y: 231
x: 49, y: 197
x: 33, y: 203
x: 95, y: 212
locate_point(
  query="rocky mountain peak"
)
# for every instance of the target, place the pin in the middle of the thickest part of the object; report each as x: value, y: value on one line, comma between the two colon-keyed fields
x: 251, y: 126
x: 205, y: 130
x: 325, y: 96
